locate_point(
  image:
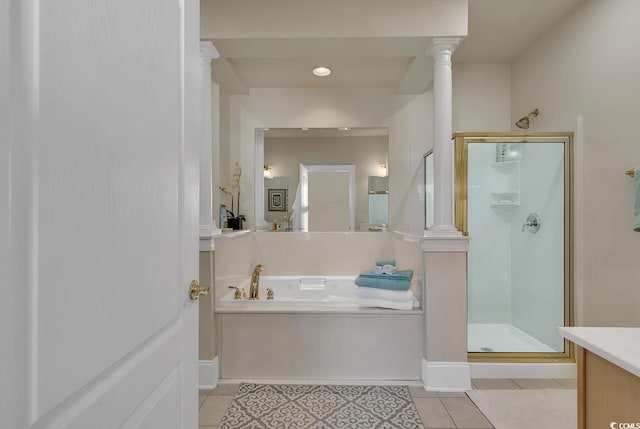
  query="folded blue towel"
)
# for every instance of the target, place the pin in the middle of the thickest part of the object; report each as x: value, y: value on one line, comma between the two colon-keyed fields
x: 636, y: 204
x: 383, y: 283
x: 398, y: 275
x: 386, y: 262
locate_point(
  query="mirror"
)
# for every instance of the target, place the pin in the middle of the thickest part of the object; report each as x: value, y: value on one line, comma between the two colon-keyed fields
x: 327, y: 198
x: 284, y: 150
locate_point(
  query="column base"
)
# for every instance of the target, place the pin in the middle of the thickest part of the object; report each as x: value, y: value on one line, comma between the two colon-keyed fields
x: 446, y: 376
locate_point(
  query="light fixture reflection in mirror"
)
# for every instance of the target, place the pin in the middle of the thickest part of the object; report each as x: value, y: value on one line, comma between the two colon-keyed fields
x: 287, y: 148
x: 267, y: 172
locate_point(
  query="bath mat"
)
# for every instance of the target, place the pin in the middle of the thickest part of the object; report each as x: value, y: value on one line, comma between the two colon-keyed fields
x: 277, y: 406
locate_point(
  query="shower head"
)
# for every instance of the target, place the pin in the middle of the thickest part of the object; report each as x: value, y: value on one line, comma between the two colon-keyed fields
x: 524, y: 121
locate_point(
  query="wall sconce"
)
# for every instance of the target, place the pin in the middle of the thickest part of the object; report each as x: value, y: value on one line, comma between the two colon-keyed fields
x: 383, y: 170
x: 267, y: 172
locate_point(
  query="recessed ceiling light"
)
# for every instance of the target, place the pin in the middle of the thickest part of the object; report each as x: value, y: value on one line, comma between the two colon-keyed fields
x: 344, y: 129
x: 305, y: 129
x: 322, y: 71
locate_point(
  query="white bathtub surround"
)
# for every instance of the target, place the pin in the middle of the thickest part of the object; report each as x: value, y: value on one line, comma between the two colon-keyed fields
x: 308, y: 337
x: 208, y: 373
x: 445, y: 323
x: 441, y: 49
x: 364, y: 345
x: 446, y: 376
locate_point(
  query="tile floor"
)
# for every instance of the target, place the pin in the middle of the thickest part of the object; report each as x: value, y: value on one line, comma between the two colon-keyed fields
x: 438, y: 410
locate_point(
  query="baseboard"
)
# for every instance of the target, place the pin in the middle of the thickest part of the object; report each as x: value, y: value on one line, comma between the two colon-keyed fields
x: 446, y: 376
x: 208, y: 373
x: 523, y: 370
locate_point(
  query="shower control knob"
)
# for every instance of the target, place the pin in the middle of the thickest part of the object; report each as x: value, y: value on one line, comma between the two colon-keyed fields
x: 533, y: 223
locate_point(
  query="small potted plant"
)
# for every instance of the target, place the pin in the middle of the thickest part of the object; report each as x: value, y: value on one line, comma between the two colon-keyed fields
x: 234, y: 220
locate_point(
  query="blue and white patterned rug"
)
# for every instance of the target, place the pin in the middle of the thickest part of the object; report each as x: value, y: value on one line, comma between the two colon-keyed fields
x: 278, y: 406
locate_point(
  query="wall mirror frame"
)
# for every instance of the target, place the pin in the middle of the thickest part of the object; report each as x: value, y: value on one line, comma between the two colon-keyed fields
x: 284, y: 149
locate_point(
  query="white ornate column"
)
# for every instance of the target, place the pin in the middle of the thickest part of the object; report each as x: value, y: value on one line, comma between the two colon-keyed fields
x: 444, y: 365
x: 207, y: 53
x: 441, y: 50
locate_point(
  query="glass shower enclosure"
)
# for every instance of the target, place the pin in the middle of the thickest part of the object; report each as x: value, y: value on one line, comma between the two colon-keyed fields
x: 513, y: 198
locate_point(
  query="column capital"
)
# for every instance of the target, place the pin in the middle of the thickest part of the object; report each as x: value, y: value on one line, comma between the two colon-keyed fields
x: 208, y: 52
x: 438, y: 45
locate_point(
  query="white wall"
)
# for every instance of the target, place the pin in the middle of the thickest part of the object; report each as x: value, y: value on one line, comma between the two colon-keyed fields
x: 481, y: 97
x: 220, y: 153
x: 583, y: 76
x: 408, y: 117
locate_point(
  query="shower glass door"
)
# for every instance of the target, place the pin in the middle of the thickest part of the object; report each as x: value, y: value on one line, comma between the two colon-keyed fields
x: 513, y: 200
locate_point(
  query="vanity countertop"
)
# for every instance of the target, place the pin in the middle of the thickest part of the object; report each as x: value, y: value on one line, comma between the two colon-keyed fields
x: 620, y: 346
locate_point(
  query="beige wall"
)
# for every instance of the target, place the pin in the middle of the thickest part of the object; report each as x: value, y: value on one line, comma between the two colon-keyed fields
x: 583, y: 77
x: 445, y: 306
x: 481, y: 97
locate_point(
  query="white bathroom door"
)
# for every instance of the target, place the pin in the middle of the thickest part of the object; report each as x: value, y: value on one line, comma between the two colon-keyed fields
x: 98, y: 213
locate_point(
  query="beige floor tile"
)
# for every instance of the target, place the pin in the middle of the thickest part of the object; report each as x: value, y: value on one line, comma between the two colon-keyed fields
x: 419, y: 392
x: 433, y: 413
x: 226, y: 389
x: 213, y: 409
x: 537, y: 383
x: 465, y: 414
x: 495, y: 384
x: 528, y: 409
x: 567, y: 383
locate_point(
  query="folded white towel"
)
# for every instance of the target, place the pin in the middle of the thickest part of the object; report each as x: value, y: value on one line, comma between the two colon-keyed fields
x: 389, y: 269
x: 395, y: 305
x: 385, y: 294
x: 384, y: 269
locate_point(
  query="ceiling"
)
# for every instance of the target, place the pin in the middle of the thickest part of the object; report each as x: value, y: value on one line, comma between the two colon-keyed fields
x: 498, y: 31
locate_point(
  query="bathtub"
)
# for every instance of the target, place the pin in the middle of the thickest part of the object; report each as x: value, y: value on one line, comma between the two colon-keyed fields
x: 334, y: 293
x: 313, y: 329
x: 297, y: 293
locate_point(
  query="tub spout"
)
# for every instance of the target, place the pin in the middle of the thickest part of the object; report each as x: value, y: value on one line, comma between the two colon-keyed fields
x: 255, y: 282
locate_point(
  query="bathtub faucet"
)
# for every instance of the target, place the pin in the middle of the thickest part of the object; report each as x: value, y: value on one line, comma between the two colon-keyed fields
x: 255, y: 282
